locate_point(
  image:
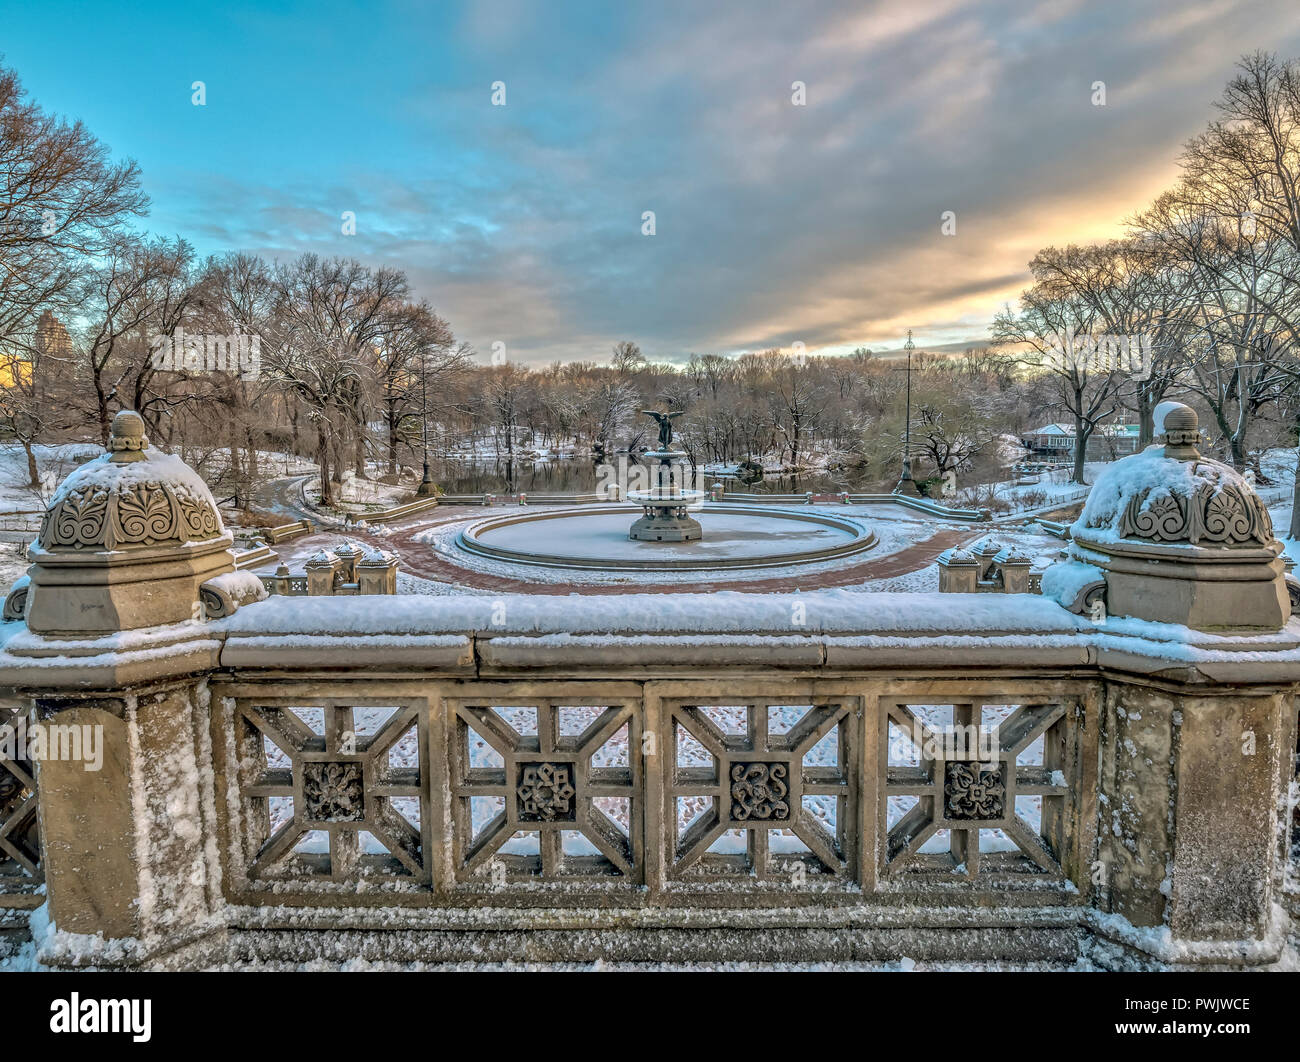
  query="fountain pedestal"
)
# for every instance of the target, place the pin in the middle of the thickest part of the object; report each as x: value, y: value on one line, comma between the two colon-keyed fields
x: 665, y: 506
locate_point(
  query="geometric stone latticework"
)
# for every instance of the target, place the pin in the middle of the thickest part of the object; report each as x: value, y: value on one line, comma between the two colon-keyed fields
x: 963, y: 776
x: 301, y: 780
x: 761, y: 789
x: 20, y: 842
x: 547, y: 789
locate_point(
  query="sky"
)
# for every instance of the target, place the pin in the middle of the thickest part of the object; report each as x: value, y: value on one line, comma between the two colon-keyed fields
x: 775, y: 223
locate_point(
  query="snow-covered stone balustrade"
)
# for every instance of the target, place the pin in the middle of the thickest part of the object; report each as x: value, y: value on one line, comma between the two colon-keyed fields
x: 827, y: 775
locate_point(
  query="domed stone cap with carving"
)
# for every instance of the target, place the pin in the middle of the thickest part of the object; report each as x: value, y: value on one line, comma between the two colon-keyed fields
x: 131, y: 496
x: 1169, y: 493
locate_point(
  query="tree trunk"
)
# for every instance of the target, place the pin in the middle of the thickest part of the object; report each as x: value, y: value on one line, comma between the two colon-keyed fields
x: 1294, y: 532
x: 101, y: 407
x: 1146, y: 420
x: 323, y: 460
x: 392, y: 443
x: 1237, y: 449
x: 33, y: 473
x: 1081, y: 434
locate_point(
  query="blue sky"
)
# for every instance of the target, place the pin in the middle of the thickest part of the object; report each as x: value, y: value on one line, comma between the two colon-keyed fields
x: 775, y: 223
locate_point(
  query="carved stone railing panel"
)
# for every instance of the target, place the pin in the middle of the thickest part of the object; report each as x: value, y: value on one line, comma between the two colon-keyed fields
x: 545, y: 790
x: 330, y: 790
x: 20, y: 844
x: 763, y: 789
x: 978, y: 788
x: 467, y: 790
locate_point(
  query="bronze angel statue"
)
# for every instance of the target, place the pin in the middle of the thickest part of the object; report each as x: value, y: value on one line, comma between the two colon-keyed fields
x: 665, y: 425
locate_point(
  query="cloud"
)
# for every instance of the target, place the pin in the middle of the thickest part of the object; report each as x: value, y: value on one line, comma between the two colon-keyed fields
x: 774, y: 222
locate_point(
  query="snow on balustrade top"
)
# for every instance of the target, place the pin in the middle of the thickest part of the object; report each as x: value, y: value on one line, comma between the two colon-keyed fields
x: 1012, y: 554
x: 955, y: 556
x: 1169, y: 493
x: 131, y: 496
x: 723, y: 612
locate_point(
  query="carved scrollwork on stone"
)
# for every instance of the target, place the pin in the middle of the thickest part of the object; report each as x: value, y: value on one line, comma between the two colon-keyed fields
x: 759, y: 791
x: 1231, y: 515
x: 142, y: 514
x: 132, y: 496
x: 78, y: 519
x: 1222, y: 514
x: 216, y: 605
x: 15, y: 606
x: 973, y: 791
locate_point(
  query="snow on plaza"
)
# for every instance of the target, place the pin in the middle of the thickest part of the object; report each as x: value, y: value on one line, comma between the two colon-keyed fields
x: 492, y: 555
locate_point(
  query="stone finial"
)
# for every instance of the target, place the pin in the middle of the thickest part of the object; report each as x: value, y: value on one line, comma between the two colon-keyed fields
x: 128, y: 441
x: 1179, y: 426
x: 126, y: 542
x: 1177, y: 538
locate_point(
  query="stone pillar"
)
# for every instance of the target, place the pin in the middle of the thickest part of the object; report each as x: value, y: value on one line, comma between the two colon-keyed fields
x: 320, y: 568
x: 984, y: 551
x: 1015, y: 566
x: 377, y: 573
x: 124, y: 831
x: 125, y: 810
x: 1190, y: 785
x: 347, y: 555
x: 958, y: 572
x: 1195, y: 755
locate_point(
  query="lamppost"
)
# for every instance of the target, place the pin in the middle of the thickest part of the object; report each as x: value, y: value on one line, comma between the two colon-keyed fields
x: 427, y: 486
x: 906, y: 476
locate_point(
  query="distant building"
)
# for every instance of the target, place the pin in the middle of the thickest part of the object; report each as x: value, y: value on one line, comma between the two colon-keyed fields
x: 53, y: 346
x: 52, y: 339
x: 1106, y: 442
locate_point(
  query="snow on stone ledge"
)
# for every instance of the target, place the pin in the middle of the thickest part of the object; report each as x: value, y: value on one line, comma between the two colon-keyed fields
x: 1063, y: 581
x: 1150, y: 471
x: 722, y: 612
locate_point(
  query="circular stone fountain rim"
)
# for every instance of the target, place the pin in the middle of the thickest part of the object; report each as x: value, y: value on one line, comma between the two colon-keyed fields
x: 653, y: 495
x: 864, y: 539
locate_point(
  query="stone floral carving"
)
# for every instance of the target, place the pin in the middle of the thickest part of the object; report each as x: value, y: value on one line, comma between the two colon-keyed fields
x: 1220, y: 513
x: 546, y: 792
x: 154, y: 512
x: 759, y: 791
x: 973, y: 791
x: 333, y: 791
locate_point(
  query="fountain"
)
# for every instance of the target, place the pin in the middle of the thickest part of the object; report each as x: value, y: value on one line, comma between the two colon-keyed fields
x: 665, y: 538
x: 664, y: 506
